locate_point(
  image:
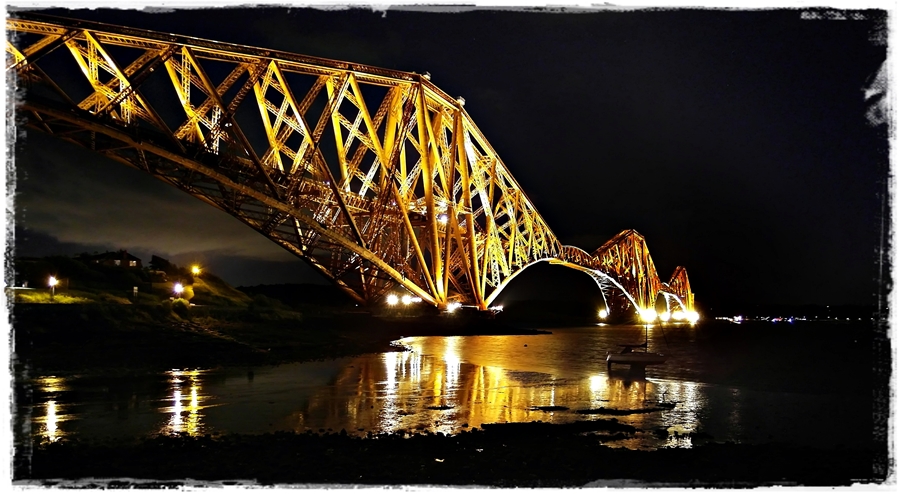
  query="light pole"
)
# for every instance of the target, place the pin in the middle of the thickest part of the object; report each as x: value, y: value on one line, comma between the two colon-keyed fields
x: 52, y: 282
x: 195, y: 270
x: 178, y: 288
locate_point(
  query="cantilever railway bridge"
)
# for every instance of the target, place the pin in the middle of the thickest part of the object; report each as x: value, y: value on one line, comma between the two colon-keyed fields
x: 375, y: 177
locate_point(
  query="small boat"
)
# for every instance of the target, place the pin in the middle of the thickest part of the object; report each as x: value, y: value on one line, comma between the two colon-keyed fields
x: 628, y: 355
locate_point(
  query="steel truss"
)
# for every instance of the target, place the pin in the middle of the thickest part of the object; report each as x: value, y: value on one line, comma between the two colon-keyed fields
x: 624, y: 263
x: 375, y: 177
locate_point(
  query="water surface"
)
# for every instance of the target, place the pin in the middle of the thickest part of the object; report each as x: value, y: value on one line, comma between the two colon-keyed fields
x: 448, y: 384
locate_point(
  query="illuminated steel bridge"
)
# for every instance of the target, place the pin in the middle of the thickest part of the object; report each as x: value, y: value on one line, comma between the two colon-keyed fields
x: 375, y: 177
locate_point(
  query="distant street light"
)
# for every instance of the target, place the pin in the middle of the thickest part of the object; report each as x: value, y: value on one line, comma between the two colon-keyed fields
x: 52, y: 282
x: 178, y: 288
x: 195, y: 270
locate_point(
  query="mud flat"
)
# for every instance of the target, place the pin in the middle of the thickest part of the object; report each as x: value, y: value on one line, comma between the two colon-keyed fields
x: 504, y: 455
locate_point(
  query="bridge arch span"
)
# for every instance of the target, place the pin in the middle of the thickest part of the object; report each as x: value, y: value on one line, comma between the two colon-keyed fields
x: 604, y: 281
x: 409, y: 194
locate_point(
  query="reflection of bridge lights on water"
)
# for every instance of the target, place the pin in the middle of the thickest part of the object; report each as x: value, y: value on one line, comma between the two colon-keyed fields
x: 404, y: 361
x: 390, y: 421
x: 451, y: 357
x: 430, y: 388
x: 390, y: 367
x: 598, y: 386
x: 597, y: 383
x: 415, y: 367
x: 437, y: 392
x: 685, y: 417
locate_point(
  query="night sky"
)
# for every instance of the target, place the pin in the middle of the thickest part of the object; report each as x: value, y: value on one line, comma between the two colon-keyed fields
x: 741, y: 144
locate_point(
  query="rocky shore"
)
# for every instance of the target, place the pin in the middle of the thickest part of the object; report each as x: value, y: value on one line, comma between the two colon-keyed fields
x: 502, y: 455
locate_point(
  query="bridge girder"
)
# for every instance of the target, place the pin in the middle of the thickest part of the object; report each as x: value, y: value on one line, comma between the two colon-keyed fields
x: 624, y: 270
x: 377, y: 178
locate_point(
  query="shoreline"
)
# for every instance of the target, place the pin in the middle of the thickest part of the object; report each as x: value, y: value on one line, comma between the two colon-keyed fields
x: 100, y: 339
x: 533, y: 454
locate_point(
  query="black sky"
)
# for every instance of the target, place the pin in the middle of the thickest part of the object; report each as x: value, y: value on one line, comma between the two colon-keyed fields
x: 739, y: 143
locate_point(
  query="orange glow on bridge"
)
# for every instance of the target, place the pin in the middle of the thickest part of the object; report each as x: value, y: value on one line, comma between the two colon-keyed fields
x: 391, y: 184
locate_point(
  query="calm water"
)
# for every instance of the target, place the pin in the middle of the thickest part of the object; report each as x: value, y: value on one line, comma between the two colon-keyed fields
x: 446, y: 384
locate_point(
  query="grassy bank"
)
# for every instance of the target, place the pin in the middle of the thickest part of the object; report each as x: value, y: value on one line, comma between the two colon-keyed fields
x: 101, y: 318
x: 71, y: 338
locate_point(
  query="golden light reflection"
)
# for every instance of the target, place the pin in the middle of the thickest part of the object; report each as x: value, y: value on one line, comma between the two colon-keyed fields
x: 438, y: 392
x: 177, y: 423
x: 598, y: 386
x: 389, y: 409
x: 176, y: 412
x: 48, y: 423
x: 451, y: 357
x: 51, y: 432
x: 415, y: 368
x: 390, y: 366
x: 597, y: 383
x: 437, y: 383
x: 52, y: 384
x: 193, y: 424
